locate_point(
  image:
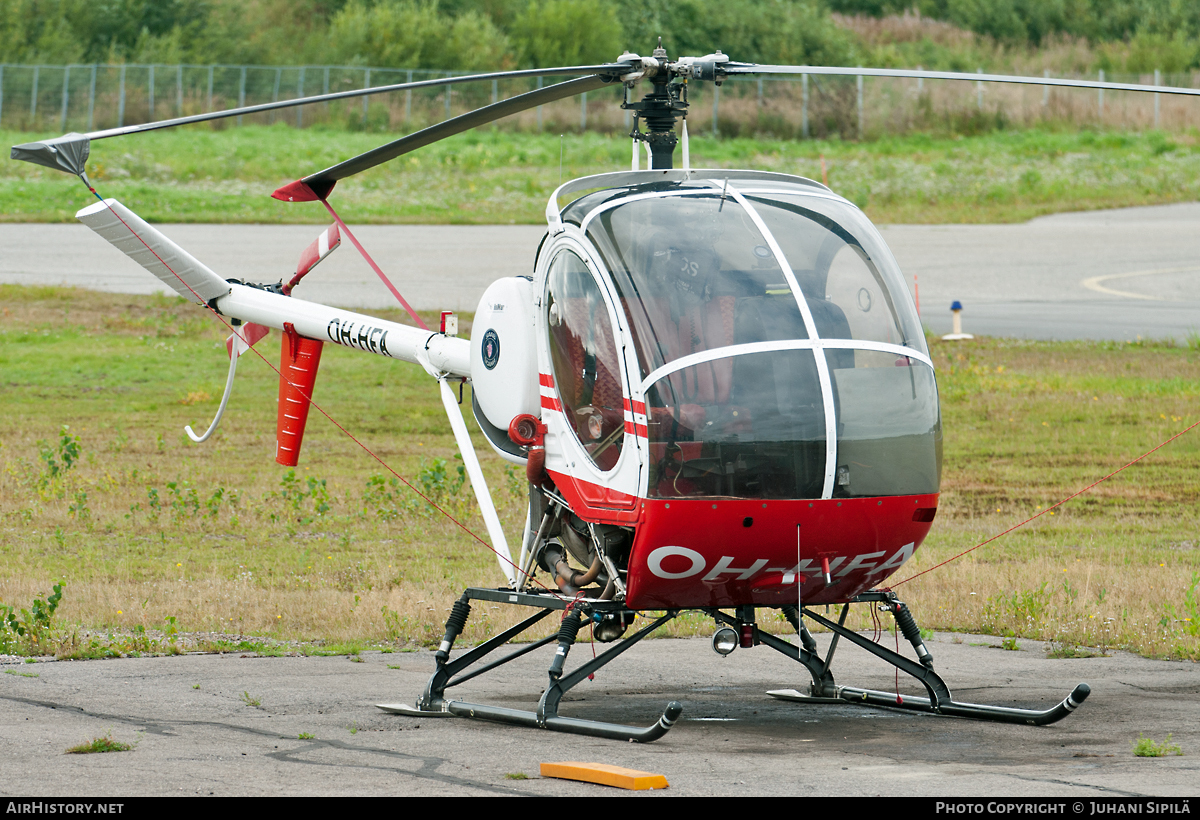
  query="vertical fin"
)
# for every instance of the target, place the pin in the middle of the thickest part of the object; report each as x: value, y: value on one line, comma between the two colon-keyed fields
x: 299, y: 361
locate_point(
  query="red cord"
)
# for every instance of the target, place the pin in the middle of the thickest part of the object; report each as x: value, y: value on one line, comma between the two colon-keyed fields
x: 374, y: 267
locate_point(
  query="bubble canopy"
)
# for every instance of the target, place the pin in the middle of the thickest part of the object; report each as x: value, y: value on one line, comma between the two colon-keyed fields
x: 778, y: 349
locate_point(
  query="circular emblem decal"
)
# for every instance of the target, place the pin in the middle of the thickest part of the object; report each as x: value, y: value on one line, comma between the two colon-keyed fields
x: 491, y: 349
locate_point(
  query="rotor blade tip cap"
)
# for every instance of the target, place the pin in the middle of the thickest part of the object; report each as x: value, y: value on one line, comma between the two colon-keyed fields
x: 295, y: 192
x: 66, y: 153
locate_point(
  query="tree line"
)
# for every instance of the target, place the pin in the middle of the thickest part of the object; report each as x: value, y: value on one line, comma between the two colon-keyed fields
x: 499, y: 34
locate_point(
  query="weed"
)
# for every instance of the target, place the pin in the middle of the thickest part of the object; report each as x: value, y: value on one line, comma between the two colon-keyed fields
x: 295, y: 493
x: 353, y: 729
x: 515, y: 482
x: 100, y: 744
x: 95, y: 650
x: 437, y: 483
x: 230, y: 497
x: 1066, y: 649
x: 185, y: 501
x: 1146, y: 747
x: 21, y: 674
x: 171, y: 630
x: 1024, y: 609
x: 1010, y: 644
x: 393, y: 666
x: 118, y: 445
x: 395, y: 624
x: 516, y: 776
x: 33, y: 626
x: 58, y: 460
x: 306, y: 736
x: 195, y: 686
x: 1187, y: 616
x: 79, y: 508
x: 388, y: 497
x: 154, y: 502
x: 249, y: 700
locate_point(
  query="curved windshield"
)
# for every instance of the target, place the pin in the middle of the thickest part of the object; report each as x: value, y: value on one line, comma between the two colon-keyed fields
x: 694, y: 273
x: 840, y: 263
x: 745, y: 284
x: 889, y: 439
x: 763, y: 436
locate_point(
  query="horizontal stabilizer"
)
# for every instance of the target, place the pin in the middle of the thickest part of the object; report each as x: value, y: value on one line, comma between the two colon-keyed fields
x: 131, y: 235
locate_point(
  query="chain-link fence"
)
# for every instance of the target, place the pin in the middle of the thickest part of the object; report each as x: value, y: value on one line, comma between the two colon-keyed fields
x: 92, y: 97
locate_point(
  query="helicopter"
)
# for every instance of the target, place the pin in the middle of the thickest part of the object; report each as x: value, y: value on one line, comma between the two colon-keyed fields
x: 716, y: 382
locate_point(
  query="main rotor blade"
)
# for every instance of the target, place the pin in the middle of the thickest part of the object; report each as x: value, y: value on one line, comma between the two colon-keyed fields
x: 750, y: 69
x: 322, y: 182
x: 608, y: 69
x: 70, y: 151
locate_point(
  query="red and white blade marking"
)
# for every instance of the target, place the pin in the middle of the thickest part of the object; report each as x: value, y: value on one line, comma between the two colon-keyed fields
x: 322, y: 246
x: 245, y: 338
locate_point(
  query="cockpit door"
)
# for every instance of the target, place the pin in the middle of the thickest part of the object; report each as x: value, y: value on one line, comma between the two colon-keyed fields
x: 585, y: 375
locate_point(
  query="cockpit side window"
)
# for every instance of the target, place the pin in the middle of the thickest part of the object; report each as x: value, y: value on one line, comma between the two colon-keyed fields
x: 587, y: 371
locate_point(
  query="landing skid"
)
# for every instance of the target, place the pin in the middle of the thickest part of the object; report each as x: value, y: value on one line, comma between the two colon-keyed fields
x: 448, y: 673
x: 940, y: 701
x: 434, y: 701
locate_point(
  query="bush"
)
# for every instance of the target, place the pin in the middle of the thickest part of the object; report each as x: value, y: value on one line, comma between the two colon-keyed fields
x: 414, y: 35
x: 547, y: 34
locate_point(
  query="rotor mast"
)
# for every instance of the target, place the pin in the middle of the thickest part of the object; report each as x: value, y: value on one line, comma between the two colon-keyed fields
x: 661, y: 108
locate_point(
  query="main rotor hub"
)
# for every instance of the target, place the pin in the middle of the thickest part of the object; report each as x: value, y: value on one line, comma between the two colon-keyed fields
x: 664, y: 105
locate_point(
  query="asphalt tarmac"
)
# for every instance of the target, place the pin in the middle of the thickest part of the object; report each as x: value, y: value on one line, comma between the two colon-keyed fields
x: 1120, y: 274
x: 246, y: 725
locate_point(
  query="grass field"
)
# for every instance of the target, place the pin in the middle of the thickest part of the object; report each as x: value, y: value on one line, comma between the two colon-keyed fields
x: 164, y: 544
x: 496, y: 176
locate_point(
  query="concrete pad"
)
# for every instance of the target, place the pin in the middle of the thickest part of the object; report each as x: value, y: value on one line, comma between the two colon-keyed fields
x: 198, y: 732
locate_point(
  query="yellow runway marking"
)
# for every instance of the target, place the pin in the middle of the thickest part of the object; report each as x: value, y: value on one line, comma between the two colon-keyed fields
x: 1093, y: 282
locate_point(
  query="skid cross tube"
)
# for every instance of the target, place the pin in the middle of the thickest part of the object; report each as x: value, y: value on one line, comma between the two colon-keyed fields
x: 558, y: 687
x: 822, y: 679
x: 940, y: 700
x: 436, y: 688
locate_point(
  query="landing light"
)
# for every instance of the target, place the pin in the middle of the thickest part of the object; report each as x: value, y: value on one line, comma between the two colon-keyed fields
x: 724, y: 640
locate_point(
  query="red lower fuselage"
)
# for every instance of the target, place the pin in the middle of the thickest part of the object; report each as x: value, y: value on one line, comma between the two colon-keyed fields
x: 719, y: 552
